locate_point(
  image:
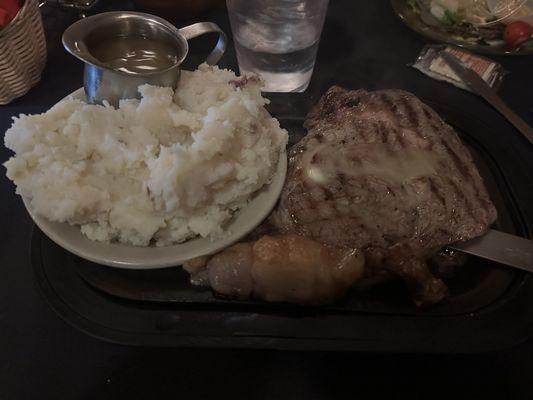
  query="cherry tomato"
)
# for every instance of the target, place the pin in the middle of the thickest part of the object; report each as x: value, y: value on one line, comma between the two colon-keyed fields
x: 3, y: 18
x: 8, y: 10
x: 516, y: 33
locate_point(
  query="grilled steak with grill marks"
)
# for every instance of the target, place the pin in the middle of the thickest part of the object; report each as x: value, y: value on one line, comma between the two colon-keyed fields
x: 380, y: 171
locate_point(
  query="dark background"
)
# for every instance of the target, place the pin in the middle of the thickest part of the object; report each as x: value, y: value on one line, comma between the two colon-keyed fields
x: 42, y: 357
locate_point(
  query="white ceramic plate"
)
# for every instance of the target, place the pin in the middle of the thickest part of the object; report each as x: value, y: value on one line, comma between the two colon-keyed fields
x: 126, y: 256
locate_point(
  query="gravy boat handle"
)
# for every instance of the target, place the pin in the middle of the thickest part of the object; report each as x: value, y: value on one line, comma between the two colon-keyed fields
x: 201, y: 28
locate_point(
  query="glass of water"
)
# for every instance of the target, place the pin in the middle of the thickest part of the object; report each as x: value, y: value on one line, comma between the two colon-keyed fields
x: 278, y: 40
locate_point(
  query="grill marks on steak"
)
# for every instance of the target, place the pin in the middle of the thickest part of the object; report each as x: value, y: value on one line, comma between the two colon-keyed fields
x: 399, y: 184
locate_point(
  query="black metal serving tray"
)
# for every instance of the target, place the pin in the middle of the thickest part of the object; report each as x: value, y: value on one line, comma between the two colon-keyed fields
x: 489, y: 306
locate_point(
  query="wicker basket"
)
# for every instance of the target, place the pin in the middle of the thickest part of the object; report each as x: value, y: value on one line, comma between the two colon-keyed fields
x: 22, y: 52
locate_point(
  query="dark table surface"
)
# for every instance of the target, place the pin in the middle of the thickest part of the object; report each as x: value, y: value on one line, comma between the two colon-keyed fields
x: 42, y: 357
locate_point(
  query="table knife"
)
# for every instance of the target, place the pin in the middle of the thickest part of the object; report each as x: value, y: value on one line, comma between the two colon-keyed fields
x: 480, y: 87
x: 501, y: 247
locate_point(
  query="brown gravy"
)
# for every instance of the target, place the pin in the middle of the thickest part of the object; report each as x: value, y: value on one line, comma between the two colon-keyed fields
x: 136, y: 54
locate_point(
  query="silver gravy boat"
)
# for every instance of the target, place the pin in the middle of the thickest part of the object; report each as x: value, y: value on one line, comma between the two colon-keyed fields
x: 101, y: 81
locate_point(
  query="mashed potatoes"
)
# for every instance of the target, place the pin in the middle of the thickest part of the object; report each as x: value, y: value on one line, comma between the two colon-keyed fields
x: 164, y: 168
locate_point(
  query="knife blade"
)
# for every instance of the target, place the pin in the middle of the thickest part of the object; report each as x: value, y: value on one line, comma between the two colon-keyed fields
x: 479, y: 86
x: 501, y: 247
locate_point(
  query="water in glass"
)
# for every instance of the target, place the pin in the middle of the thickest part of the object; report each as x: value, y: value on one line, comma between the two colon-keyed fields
x: 278, y: 39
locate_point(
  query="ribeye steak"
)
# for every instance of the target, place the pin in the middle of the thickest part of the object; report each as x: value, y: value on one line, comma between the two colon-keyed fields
x: 380, y: 171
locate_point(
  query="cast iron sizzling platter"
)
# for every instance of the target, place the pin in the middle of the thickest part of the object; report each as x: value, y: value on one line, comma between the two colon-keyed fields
x: 488, y: 307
